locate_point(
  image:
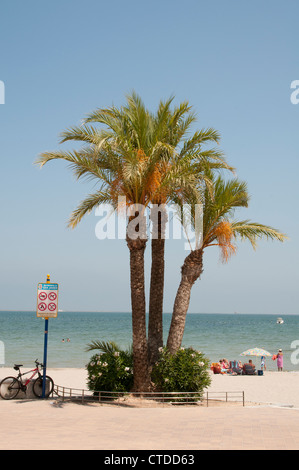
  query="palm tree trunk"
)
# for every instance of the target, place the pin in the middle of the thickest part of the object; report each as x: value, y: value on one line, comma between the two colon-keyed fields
x: 155, y: 324
x: 140, y: 350
x: 191, y: 271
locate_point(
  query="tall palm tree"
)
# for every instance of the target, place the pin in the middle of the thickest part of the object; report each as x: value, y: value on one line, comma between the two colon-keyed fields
x: 219, y: 229
x: 132, y: 155
x: 115, y: 157
x: 177, y: 175
x: 173, y: 166
x: 147, y: 159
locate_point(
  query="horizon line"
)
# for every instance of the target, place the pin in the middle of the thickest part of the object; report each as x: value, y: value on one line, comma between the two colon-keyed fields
x: 167, y: 313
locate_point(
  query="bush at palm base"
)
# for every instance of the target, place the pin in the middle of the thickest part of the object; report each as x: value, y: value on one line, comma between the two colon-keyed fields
x: 185, y: 371
x: 111, y: 370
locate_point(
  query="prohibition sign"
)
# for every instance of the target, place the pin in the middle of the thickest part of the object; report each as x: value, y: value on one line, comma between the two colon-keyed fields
x: 47, y: 300
x: 42, y: 306
x: 52, y: 296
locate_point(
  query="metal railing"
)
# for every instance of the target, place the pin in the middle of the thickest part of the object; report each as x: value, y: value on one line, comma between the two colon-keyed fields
x: 157, y: 398
x: 235, y: 396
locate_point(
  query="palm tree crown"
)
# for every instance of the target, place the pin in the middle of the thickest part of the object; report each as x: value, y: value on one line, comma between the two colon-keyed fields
x: 219, y: 228
x: 141, y: 156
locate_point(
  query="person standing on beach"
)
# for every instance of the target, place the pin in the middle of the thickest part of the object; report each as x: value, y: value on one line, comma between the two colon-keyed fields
x: 280, y: 360
x: 263, y: 363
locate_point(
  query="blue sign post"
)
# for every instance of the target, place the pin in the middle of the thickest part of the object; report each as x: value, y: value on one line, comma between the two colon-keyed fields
x: 45, y: 357
x: 47, y: 307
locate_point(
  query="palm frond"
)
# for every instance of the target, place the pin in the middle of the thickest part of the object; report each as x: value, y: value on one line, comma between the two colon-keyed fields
x: 252, y: 231
x: 83, y: 133
x: 87, y: 205
x: 109, y: 347
x: 83, y: 163
x: 199, y: 138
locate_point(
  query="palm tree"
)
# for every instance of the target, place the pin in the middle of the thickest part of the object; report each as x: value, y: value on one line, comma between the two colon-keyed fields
x: 129, y: 156
x: 115, y: 157
x: 135, y: 155
x: 218, y: 230
x: 179, y: 171
x: 172, y: 167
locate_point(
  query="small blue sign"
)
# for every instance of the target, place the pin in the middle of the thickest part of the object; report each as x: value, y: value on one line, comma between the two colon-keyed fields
x: 47, y: 286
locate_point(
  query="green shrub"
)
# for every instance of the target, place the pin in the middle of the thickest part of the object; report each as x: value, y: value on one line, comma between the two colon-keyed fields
x: 185, y: 371
x: 111, y: 370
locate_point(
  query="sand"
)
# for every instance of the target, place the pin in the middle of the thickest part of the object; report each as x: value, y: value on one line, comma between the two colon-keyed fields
x: 270, y: 419
x: 275, y: 388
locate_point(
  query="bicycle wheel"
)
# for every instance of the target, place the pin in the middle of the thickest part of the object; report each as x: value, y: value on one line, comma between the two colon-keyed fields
x: 38, y: 387
x: 9, y: 388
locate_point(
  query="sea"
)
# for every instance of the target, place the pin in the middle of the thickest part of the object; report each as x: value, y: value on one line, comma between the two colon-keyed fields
x: 216, y: 335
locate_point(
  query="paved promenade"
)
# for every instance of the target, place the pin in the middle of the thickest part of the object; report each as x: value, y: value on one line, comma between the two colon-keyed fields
x: 52, y: 425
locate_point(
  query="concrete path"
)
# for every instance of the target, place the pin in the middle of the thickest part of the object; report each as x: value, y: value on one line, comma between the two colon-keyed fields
x: 49, y: 424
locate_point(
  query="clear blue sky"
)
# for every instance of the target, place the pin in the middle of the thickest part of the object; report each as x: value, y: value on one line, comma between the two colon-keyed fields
x: 233, y: 61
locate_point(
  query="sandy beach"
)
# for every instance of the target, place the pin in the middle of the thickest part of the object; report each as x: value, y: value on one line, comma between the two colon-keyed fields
x: 273, y: 388
x: 269, y: 420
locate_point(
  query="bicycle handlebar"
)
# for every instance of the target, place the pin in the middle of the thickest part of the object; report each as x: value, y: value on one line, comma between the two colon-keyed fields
x: 38, y: 363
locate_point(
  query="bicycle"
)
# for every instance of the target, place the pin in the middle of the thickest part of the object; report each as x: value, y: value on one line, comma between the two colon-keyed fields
x: 10, y: 386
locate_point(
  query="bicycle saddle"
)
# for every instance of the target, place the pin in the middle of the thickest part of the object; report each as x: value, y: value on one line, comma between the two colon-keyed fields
x: 17, y: 366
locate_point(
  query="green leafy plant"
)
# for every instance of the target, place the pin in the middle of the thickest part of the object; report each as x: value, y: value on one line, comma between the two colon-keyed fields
x: 185, y: 371
x: 111, y: 369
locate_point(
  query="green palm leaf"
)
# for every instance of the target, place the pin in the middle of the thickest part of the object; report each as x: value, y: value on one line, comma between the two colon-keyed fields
x: 87, y: 205
x: 252, y: 231
x: 109, y: 347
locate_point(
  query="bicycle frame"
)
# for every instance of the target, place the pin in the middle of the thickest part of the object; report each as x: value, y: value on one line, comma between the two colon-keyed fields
x: 35, y: 371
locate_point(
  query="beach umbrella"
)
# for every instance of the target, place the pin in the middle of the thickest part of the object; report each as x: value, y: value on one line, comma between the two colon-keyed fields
x: 256, y: 352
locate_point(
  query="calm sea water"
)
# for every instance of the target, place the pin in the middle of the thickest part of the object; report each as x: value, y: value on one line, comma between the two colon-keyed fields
x: 216, y: 335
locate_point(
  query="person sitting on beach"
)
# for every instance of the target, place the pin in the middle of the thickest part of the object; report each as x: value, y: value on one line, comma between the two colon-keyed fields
x: 224, y: 366
x: 216, y: 367
x: 236, y: 367
x: 251, y: 363
x: 249, y: 368
x: 226, y: 363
